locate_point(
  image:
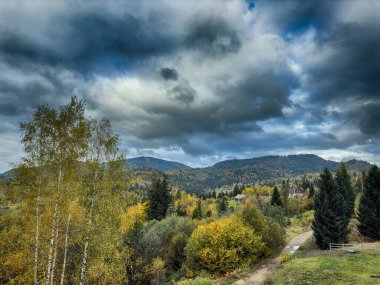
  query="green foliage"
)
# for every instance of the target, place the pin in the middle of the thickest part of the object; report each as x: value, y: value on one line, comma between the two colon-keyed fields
x: 276, y: 197
x: 167, y: 239
x: 276, y: 213
x: 369, y: 207
x: 223, y: 246
x: 197, y: 213
x: 344, y: 186
x: 271, y: 232
x: 159, y: 198
x: 329, y: 223
x: 222, y: 205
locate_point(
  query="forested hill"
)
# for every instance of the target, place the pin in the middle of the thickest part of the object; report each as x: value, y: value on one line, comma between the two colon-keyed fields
x: 228, y: 172
x: 253, y: 170
x: 155, y: 163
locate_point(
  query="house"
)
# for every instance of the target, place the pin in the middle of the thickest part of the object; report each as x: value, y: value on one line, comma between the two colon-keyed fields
x: 239, y: 198
x: 295, y: 191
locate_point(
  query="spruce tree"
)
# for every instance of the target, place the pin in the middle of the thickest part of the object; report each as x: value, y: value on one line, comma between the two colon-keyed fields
x: 343, y: 182
x: 369, y: 207
x: 329, y: 223
x: 276, y: 197
x: 197, y: 212
x: 285, y: 188
x: 311, y: 191
x: 159, y: 199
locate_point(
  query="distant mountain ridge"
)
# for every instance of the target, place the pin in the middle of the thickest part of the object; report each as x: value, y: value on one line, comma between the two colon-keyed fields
x: 228, y: 172
x: 253, y: 170
x: 156, y: 164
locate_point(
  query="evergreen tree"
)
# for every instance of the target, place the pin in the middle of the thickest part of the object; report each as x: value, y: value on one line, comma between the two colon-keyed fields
x: 329, y: 223
x: 159, y: 198
x: 222, y: 205
x: 343, y: 182
x: 369, y: 208
x: 197, y: 212
x: 236, y: 190
x: 311, y: 190
x: 276, y: 197
x: 285, y: 188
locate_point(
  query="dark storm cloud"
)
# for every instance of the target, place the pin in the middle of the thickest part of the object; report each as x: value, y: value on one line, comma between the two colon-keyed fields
x: 295, y: 17
x: 253, y: 99
x: 239, y: 107
x: 90, y: 41
x: 352, y: 69
x: 212, y: 35
x: 169, y: 73
x: 369, y: 118
x: 183, y: 93
x: 213, y: 79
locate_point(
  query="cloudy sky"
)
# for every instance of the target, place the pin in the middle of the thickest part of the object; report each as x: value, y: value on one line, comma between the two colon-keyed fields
x: 199, y: 81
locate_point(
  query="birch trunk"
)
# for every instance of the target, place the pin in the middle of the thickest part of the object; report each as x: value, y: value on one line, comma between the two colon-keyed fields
x: 85, y: 251
x: 37, y: 241
x: 55, y: 253
x: 66, y: 245
x: 53, y: 233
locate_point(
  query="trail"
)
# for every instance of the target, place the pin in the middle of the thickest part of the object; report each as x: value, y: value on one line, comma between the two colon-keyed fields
x: 258, y: 276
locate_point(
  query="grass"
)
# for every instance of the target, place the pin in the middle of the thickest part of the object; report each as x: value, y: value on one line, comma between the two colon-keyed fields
x: 339, y: 270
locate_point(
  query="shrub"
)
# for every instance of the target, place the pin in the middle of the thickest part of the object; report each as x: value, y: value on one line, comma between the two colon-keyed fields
x: 276, y: 213
x: 285, y: 257
x: 167, y: 239
x: 223, y: 245
x: 272, y: 233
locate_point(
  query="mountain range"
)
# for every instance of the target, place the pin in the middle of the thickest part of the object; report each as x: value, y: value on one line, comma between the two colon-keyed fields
x: 156, y: 164
x: 254, y: 170
x: 228, y: 172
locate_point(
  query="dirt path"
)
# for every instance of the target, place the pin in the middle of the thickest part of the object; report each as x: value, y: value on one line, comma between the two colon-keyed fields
x: 259, y: 275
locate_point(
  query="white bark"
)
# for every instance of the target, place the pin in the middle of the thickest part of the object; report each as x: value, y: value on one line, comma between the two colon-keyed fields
x: 53, y: 234
x: 85, y: 251
x: 37, y: 241
x: 55, y: 254
x: 66, y: 245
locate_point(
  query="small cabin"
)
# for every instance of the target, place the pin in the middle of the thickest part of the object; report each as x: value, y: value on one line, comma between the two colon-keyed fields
x: 296, y: 192
x: 239, y: 198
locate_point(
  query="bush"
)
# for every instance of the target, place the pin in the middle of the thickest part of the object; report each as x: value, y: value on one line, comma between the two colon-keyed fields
x: 276, y: 213
x: 272, y: 233
x: 167, y: 239
x: 285, y: 257
x: 223, y: 245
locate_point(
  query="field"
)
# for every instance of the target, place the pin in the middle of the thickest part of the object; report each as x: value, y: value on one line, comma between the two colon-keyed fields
x: 326, y: 267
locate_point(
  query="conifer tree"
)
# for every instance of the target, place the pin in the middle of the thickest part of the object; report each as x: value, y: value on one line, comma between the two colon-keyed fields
x: 329, y: 223
x: 197, y: 213
x: 159, y: 198
x: 369, y: 207
x: 343, y: 182
x: 311, y: 190
x: 285, y: 188
x: 276, y: 197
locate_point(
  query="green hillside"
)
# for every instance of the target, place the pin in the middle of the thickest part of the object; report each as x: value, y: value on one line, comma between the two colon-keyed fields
x: 247, y: 171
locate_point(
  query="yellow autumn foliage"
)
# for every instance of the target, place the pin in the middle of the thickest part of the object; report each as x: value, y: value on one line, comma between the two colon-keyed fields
x: 135, y: 214
x: 223, y: 245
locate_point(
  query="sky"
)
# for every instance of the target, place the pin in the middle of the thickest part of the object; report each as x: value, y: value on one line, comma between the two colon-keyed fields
x: 199, y: 81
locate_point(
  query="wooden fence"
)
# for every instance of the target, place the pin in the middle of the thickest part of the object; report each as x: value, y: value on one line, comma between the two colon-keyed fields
x: 340, y: 246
